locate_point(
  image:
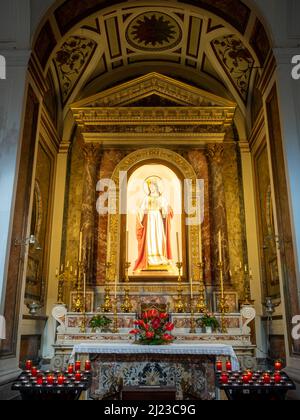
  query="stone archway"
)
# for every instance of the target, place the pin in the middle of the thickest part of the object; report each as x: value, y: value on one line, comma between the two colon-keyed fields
x: 187, y: 172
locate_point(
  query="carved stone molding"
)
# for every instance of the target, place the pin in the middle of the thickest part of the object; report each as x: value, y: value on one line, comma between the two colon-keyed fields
x: 154, y: 83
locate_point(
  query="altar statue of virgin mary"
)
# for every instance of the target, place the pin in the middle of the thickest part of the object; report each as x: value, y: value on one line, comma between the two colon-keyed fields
x: 154, y: 230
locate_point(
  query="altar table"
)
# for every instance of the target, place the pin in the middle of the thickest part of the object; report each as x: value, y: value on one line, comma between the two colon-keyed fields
x: 190, y: 367
x: 217, y: 350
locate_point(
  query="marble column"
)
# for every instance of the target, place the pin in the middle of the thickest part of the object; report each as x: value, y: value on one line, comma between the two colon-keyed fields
x: 92, y: 155
x: 218, y: 207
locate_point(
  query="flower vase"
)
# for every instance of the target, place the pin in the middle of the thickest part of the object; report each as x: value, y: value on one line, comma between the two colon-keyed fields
x: 208, y: 330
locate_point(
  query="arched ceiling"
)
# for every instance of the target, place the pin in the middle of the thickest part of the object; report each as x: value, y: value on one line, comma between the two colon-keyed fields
x: 90, y: 45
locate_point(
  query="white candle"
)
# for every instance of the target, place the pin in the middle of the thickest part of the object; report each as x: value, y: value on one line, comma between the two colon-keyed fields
x: 192, y: 292
x: 56, y: 272
x: 220, y: 246
x: 127, y: 246
x: 108, y: 247
x: 222, y: 285
x: 178, y: 247
x: 250, y: 273
x: 200, y: 245
x: 84, y: 291
x: 80, y: 247
x: 246, y: 269
x: 62, y: 269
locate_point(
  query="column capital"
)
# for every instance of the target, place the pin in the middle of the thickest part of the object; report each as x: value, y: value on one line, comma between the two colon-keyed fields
x: 215, y: 152
x: 92, y: 152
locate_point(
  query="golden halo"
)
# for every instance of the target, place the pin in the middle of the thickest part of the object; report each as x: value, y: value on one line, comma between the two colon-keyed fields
x: 154, y: 179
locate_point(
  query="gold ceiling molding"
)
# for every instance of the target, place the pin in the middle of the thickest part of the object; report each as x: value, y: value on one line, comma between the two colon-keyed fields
x: 111, y: 117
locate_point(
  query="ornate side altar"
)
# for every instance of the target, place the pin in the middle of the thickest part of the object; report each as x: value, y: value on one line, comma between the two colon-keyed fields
x: 69, y: 333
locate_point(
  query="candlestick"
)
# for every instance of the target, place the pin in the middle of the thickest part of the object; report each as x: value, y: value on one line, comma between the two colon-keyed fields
x: 84, y: 291
x: 80, y: 247
x: 107, y: 306
x: 200, y: 246
x: 220, y: 246
x: 116, y: 320
x: 223, y: 307
x: 127, y: 245
x: 179, y: 306
x: 127, y: 305
x: 178, y: 247
x: 201, y: 306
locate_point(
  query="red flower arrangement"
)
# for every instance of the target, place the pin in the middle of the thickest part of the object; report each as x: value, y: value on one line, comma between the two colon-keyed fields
x: 154, y: 329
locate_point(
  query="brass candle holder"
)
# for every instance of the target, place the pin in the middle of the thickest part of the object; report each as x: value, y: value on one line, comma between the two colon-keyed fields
x: 201, y: 306
x: 223, y: 307
x: 79, y: 306
x: 64, y: 277
x: 126, y: 306
x: 193, y: 323
x: 115, y: 328
x: 179, y: 305
x: 107, y: 307
x: 247, y: 301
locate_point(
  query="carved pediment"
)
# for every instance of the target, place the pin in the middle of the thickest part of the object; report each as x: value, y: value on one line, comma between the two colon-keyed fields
x: 158, y: 86
x: 150, y: 108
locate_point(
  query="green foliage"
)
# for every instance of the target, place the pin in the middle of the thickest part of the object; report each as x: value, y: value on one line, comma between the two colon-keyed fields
x: 209, y: 320
x: 100, y: 321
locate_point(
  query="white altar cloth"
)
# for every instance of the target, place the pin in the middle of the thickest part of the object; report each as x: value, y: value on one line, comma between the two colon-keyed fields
x: 217, y: 350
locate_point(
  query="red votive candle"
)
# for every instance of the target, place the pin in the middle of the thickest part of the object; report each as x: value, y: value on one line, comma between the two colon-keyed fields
x: 40, y: 380
x: 78, y: 377
x: 278, y: 365
x: 88, y: 365
x: 224, y: 379
x: 267, y: 379
x: 60, y: 380
x: 28, y: 365
x: 34, y: 372
x: 246, y: 379
x: 228, y: 366
x: 250, y: 375
x: 77, y: 366
x: 71, y: 369
x: 277, y: 378
x: 50, y: 379
x: 219, y: 365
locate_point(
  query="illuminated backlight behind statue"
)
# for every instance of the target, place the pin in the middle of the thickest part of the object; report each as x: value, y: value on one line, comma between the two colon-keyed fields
x: 154, y: 229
